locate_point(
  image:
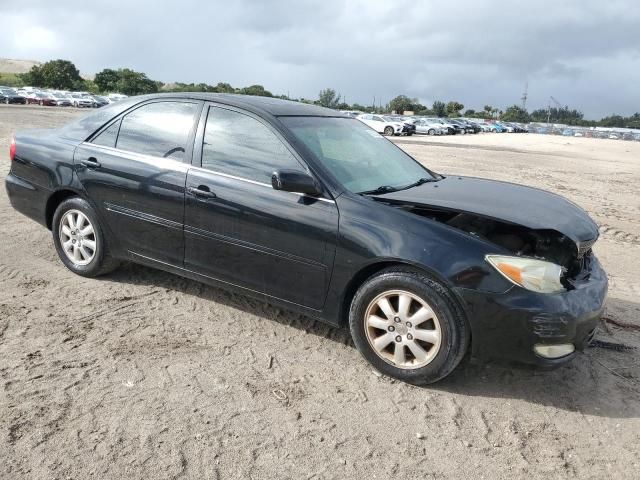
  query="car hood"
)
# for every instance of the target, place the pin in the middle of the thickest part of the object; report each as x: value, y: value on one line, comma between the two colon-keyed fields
x: 508, y: 202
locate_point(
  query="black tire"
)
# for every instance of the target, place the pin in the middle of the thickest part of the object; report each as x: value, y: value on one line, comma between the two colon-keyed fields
x: 431, y: 131
x: 454, y: 330
x: 102, y: 262
x: 388, y: 131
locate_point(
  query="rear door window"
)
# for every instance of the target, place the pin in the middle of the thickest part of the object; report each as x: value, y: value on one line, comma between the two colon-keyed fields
x: 160, y: 129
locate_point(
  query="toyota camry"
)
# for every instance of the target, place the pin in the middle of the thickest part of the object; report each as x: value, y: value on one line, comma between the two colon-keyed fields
x: 313, y: 210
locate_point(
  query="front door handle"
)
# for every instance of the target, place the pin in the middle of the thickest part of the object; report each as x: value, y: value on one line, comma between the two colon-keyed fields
x: 91, y: 162
x: 201, y: 191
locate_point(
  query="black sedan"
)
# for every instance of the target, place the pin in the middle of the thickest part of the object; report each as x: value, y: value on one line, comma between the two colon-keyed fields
x: 312, y: 210
x: 11, y: 97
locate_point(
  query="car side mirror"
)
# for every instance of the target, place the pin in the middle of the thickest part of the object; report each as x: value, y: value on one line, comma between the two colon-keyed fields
x: 295, y: 181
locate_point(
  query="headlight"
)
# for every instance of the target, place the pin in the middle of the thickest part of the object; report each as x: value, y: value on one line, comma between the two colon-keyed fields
x: 535, y: 275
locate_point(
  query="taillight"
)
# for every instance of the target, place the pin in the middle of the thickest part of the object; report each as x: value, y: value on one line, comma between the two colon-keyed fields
x: 12, y: 149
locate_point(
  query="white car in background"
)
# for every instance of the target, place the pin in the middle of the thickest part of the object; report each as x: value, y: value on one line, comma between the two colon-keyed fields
x: 381, y: 124
x: 61, y: 99
x: 450, y: 128
x: 429, y: 128
x: 115, y: 97
x: 81, y: 101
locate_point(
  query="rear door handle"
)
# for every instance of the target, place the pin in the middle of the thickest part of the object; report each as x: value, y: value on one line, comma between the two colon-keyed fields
x: 91, y: 162
x: 201, y: 191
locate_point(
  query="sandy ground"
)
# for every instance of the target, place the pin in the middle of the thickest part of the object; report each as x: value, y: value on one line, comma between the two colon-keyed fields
x: 145, y: 375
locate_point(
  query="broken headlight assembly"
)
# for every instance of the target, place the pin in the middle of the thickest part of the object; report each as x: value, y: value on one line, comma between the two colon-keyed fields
x: 535, y: 275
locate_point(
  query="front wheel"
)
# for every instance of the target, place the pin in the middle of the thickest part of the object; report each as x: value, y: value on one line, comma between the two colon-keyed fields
x: 79, y: 239
x: 408, y: 326
x: 388, y: 131
x: 431, y: 131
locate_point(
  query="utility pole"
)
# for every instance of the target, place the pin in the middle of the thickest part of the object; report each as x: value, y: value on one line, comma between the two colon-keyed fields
x: 549, y: 108
x: 524, y: 96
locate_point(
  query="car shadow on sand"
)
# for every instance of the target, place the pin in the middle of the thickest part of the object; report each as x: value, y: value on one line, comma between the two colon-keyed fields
x: 601, y: 381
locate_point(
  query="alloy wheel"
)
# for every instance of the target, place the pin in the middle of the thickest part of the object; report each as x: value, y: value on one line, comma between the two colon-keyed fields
x: 402, y: 329
x: 77, y: 237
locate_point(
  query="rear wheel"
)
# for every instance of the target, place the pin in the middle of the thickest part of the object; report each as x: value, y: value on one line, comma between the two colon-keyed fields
x: 408, y: 326
x: 431, y: 131
x: 388, y: 131
x: 79, y: 239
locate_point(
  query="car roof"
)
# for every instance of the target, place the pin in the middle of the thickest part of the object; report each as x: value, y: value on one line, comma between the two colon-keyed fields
x: 273, y: 106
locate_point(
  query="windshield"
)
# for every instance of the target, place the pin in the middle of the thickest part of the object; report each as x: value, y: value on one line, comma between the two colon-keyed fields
x: 359, y: 158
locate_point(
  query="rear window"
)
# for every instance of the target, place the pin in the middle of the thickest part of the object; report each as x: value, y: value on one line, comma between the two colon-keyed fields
x: 82, y: 128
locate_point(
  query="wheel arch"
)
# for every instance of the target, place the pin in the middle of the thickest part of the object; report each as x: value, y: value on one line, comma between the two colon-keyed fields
x: 372, y: 269
x: 56, y: 199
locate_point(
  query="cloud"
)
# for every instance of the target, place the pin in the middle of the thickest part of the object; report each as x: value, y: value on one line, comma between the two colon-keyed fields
x: 584, y: 53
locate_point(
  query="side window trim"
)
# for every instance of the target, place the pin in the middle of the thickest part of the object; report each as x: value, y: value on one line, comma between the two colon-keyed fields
x: 189, y: 146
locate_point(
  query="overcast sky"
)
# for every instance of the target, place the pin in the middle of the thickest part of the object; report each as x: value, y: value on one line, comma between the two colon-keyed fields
x: 584, y: 53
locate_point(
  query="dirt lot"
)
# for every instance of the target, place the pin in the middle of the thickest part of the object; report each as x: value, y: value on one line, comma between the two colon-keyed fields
x: 144, y: 375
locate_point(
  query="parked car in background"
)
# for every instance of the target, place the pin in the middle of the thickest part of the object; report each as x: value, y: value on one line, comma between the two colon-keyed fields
x: 449, y: 127
x: 81, y: 101
x: 351, y: 113
x: 383, y: 125
x: 472, y: 127
x: 100, y: 101
x: 41, y: 99
x: 10, y: 96
x: 426, y: 127
x: 116, y: 97
x: 407, y: 121
x: 61, y: 99
x: 464, y: 126
x: 506, y: 127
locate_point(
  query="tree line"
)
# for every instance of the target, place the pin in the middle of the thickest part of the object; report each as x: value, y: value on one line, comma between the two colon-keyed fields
x: 63, y: 75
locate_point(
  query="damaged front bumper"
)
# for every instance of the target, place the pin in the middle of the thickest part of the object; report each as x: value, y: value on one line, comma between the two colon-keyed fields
x: 510, y: 325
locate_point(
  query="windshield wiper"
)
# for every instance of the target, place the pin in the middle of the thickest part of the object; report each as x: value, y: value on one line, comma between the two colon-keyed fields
x: 418, y: 182
x: 380, y: 189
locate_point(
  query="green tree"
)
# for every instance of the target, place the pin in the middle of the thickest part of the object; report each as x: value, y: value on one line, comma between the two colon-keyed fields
x: 131, y: 82
x: 563, y: 115
x: 613, y: 121
x: 257, y: 90
x: 328, y: 98
x: 58, y: 74
x: 359, y: 108
x: 489, y: 111
x: 224, y: 88
x: 107, y: 80
x: 453, y: 109
x: 633, y: 121
x: 439, y: 109
x: 515, y: 114
x: 125, y: 80
x: 402, y: 103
